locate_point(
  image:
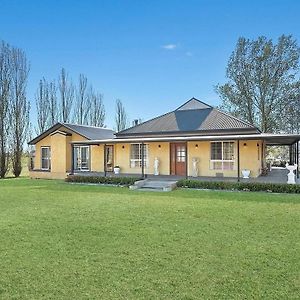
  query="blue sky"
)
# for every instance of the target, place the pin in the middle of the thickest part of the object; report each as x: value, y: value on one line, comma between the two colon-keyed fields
x: 153, y: 55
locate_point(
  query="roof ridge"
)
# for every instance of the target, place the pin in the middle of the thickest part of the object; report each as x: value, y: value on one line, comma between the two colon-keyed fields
x: 90, y: 126
x: 193, y: 98
x: 134, y: 126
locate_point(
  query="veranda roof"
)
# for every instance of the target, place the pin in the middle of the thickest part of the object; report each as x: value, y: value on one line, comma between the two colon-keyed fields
x: 270, y: 139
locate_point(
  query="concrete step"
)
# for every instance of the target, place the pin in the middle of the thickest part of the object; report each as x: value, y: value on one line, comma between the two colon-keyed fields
x: 154, y: 185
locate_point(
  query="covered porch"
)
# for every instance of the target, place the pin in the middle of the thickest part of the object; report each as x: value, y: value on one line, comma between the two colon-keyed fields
x: 275, y: 175
x: 119, y: 147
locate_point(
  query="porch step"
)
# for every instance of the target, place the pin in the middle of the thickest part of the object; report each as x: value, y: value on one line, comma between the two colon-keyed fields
x: 154, y: 185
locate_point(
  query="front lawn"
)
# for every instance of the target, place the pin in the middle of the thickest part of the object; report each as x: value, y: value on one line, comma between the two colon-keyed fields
x: 64, y: 241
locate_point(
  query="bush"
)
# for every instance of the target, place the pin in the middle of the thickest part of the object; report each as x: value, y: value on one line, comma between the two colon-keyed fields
x: 123, y: 181
x: 240, y: 186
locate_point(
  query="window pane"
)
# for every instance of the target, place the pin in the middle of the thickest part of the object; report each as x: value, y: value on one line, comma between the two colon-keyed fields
x: 136, y: 155
x: 216, y: 150
x: 180, y: 154
x: 81, y: 158
x: 45, y: 158
x: 228, y: 151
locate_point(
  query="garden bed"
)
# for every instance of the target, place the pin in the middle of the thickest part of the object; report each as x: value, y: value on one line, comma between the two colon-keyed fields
x: 240, y: 186
x: 116, y: 181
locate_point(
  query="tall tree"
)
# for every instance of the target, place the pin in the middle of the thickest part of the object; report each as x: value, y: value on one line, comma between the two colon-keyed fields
x: 261, y: 75
x: 121, y: 117
x: 291, y: 111
x: 5, y: 84
x: 53, y: 108
x: 19, y: 108
x: 82, y: 105
x: 96, y: 109
x: 66, y: 89
x: 42, y: 106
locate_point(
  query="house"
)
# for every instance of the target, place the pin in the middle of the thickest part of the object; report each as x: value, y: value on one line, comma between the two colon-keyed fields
x: 195, y: 139
x: 56, y: 155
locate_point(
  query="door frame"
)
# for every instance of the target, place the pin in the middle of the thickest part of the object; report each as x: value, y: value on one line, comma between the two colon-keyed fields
x: 186, y: 158
x: 105, y: 156
x: 79, y: 147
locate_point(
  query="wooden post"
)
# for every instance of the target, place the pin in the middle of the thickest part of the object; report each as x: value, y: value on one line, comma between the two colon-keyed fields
x: 143, y: 167
x: 290, y: 152
x: 238, y: 159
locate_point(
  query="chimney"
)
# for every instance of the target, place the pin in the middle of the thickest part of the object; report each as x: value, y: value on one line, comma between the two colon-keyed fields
x: 135, y: 122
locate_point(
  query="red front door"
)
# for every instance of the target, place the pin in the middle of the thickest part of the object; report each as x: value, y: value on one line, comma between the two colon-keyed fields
x: 178, y: 158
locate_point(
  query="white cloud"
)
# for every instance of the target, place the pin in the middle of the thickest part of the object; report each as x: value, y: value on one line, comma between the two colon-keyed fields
x: 169, y: 46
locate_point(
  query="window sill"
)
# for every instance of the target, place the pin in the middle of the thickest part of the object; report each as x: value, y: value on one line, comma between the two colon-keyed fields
x: 40, y: 170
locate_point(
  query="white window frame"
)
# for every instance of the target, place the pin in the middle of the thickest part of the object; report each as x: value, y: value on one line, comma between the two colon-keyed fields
x: 87, y: 169
x: 222, y: 161
x: 48, y: 158
x: 137, y: 162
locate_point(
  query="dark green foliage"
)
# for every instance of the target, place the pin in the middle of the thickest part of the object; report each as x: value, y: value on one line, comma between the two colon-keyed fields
x: 240, y: 186
x: 263, y: 83
x: 102, y: 180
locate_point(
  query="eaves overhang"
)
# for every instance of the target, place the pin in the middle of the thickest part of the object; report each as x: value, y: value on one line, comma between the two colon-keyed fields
x: 269, y: 139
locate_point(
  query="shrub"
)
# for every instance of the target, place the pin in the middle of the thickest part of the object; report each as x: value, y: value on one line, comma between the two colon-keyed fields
x: 240, y: 186
x: 123, y: 181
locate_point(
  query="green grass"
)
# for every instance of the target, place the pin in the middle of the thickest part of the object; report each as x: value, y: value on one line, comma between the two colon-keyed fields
x: 63, y: 241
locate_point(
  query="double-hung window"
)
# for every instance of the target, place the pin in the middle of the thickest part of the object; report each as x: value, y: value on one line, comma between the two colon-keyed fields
x: 46, y: 158
x: 136, y: 155
x: 222, y: 155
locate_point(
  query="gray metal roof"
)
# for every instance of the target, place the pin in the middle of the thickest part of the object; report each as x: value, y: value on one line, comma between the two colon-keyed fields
x: 193, y: 117
x: 89, y: 132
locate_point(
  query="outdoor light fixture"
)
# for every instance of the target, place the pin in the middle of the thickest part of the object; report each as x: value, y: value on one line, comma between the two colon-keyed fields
x: 123, y: 147
x: 245, y: 144
x: 257, y: 144
x: 159, y: 146
x: 196, y: 145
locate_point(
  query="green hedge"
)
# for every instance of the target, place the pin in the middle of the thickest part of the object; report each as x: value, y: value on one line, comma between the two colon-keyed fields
x: 102, y: 180
x: 240, y: 186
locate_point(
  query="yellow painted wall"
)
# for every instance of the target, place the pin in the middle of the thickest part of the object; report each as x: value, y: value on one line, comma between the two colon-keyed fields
x: 249, y: 158
x: 122, y: 158
x: 46, y: 142
x: 61, y: 154
x: 163, y: 155
x: 58, y: 153
x: 97, y: 158
x: 46, y: 175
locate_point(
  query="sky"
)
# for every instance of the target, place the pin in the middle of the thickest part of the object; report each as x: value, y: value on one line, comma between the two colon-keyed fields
x: 153, y: 55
